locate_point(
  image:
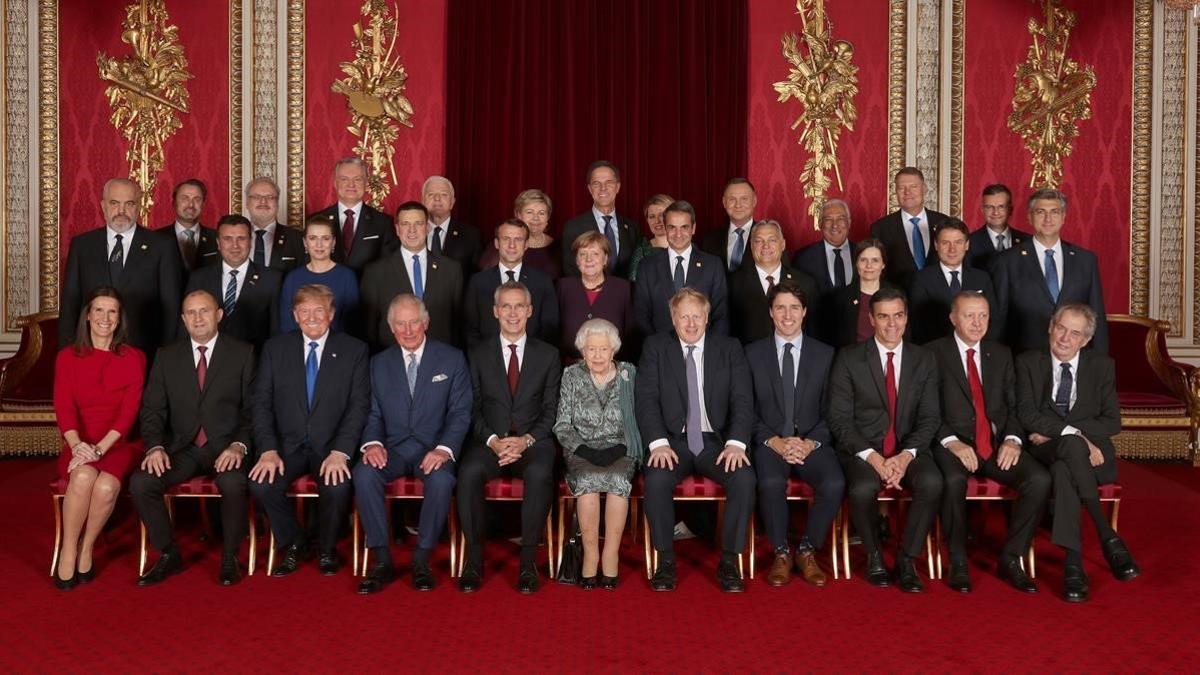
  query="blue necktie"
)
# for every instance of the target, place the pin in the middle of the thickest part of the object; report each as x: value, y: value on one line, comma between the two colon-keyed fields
x: 411, y: 373
x: 739, y: 249
x: 310, y: 372
x: 918, y: 243
x: 231, y: 292
x: 611, y: 235
x: 695, y: 435
x: 679, y: 278
x: 418, y: 286
x: 1052, y: 275
x: 1062, y: 397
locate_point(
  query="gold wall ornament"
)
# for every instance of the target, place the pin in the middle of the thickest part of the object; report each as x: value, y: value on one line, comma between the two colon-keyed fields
x: 374, y: 91
x: 825, y: 81
x: 1053, y: 94
x: 146, y: 90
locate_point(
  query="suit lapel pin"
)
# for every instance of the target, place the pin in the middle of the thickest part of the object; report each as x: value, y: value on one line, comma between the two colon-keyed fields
x: 144, y: 248
x: 1024, y: 252
x: 333, y: 355
x: 453, y: 233
x: 1068, y: 252
x: 699, y: 264
x: 433, y: 265
x: 854, y: 301
x: 279, y: 239
x: 254, y: 277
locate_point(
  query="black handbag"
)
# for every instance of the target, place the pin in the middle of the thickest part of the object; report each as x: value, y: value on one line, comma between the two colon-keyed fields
x: 572, y: 555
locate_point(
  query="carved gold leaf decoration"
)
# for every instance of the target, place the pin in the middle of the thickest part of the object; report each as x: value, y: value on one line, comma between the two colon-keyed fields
x: 374, y: 89
x: 146, y: 90
x: 1053, y: 94
x: 825, y: 81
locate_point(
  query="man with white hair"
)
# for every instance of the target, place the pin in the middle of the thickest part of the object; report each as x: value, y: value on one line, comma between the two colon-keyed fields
x: 362, y: 234
x: 273, y: 245
x: 830, y: 262
x: 449, y: 236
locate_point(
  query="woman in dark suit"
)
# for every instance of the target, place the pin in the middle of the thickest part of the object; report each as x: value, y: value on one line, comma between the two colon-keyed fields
x: 593, y: 295
x: 850, y: 306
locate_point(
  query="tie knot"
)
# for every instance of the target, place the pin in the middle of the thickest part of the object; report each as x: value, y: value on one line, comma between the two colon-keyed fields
x: 1049, y: 254
x: 787, y: 348
x: 191, y: 234
x: 512, y: 348
x: 233, y: 273
x: 312, y: 345
x: 511, y: 275
x: 770, y: 279
x: 437, y: 230
x: 740, y: 231
x: 416, y: 258
x: 120, y: 237
x: 201, y: 349
x: 1066, y: 368
x: 890, y: 356
x: 679, y: 259
x: 915, y: 221
x: 690, y: 350
x: 837, y: 250
x: 349, y: 213
x: 260, y: 233
x: 970, y: 353
x: 607, y: 220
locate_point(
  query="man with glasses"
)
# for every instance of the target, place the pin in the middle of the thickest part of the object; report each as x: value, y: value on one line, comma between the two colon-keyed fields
x: 996, y: 236
x: 273, y: 245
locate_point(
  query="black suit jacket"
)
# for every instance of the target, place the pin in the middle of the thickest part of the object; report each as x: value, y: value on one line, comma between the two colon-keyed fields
x: 387, y: 277
x: 839, y: 315
x: 749, y: 313
x: 255, y: 316
x: 858, y: 409
x: 628, y: 238
x: 479, y: 301
x: 812, y: 379
x: 174, y: 407
x: 811, y: 261
x: 1024, y: 303
x: 661, y: 389
x: 999, y: 392
x: 715, y: 242
x: 374, y: 237
x: 900, y: 264
x: 929, y: 300
x: 654, y: 288
x: 283, y: 419
x: 1096, y: 411
x: 206, y: 249
x: 982, y: 252
x: 462, y: 243
x: 149, y: 285
x: 534, y: 407
x: 287, y: 249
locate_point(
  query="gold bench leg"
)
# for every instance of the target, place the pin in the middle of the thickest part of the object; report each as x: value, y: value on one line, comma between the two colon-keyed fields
x: 650, y: 553
x: 253, y: 552
x: 833, y: 543
x: 57, y: 501
x: 550, y: 545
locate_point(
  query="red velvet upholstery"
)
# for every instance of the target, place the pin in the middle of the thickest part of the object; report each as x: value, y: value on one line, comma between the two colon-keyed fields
x: 504, y: 488
x: 405, y: 487
x: 1110, y: 492
x: 200, y: 486
x: 304, y: 485
x: 1135, y: 377
x: 986, y: 488
x: 798, y: 489
x: 27, y: 377
x: 58, y: 486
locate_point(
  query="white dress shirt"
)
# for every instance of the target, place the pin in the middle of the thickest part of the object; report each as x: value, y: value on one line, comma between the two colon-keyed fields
x: 797, y: 345
x: 995, y: 237
x: 304, y: 340
x: 763, y: 274
x: 1041, y: 249
x: 947, y: 270
x: 616, y: 224
x: 731, y: 239
x: 423, y: 254
x: 268, y: 241
x: 341, y: 214
x: 181, y: 235
x: 208, y: 353
x: 126, y: 242
x: 705, y: 425
x: 906, y: 219
x: 1056, y: 373
x: 504, y: 271
x: 897, y: 358
x: 962, y: 358
x: 441, y: 236
x: 846, y: 255
x: 241, y: 278
x: 504, y: 356
x: 673, y: 259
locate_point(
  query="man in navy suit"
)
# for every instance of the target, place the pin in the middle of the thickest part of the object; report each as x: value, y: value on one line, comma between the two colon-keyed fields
x: 790, y: 371
x: 311, y: 400
x: 664, y: 272
x: 732, y: 244
x: 908, y: 233
x: 934, y: 287
x: 830, y: 262
x: 1043, y: 274
x: 996, y: 236
x: 420, y: 414
x: 512, y: 238
x: 603, y: 183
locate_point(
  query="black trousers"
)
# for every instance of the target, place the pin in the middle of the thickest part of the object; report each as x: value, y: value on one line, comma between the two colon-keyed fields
x: 148, y: 490
x: 479, y: 465
x: 333, y: 501
x: 821, y: 470
x: 1028, y: 477
x: 922, y: 479
x: 1076, y: 482
x: 660, y: 491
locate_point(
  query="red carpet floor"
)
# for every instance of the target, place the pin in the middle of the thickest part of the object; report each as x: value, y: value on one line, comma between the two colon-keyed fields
x: 308, y: 622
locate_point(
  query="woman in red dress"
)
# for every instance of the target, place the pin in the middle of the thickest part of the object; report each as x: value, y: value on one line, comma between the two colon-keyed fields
x: 97, y: 392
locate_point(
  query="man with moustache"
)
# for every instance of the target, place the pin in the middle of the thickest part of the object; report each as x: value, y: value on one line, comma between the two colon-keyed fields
x: 363, y: 234
x: 273, y: 245
x: 934, y: 287
x: 664, y: 272
x: 603, y: 183
x: 830, y: 262
x: 731, y: 244
x: 249, y: 293
x: 197, y: 245
x: 511, y: 241
x: 449, y: 237
x: 908, y: 233
x: 751, y: 284
x: 996, y: 236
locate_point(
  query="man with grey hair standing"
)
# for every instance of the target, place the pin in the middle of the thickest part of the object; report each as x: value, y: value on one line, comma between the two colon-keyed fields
x: 830, y: 262
x: 273, y: 245
x: 362, y: 234
x: 449, y: 236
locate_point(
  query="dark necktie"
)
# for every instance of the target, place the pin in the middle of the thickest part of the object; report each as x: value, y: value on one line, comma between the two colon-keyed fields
x: 739, y: 249
x: 889, y: 440
x: 260, y: 254
x: 512, y: 277
x: 839, y: 269
x: 348, y: 231
x: 789, y: 391
x: 770, y: 284
x: 918, y: 243
x: 436, y: 247
x: 678, y: 277
x: 201, y: 375
x: 1062, y: 397
x: 695, y: 434
x: 116, y: 261
x: 189, y: 250
x: 955, y: 284
x: 611, y: 235
x: 514, y: 370
x: 418, y: 284
x: 1051, y: 275
x: 230, y: 293
x: 310, y: 372
x: 983, y: 427
x: 1001, y: 242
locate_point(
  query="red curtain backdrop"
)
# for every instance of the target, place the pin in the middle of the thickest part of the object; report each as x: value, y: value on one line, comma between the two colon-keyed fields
x: 1096, y: 179
x: 539, y: 89
x: 421, y: 45
x: 91, y: 151
x: 776, y: 159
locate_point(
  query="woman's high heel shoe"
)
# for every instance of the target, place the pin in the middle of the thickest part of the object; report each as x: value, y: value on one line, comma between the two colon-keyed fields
x: 608, y: 583
x: 85, y: 577
x: 65, y: 584
x: 587, y: 583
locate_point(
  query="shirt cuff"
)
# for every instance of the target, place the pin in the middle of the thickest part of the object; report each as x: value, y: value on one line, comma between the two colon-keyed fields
x: 948, y: 440
x: 818, y: 444
x: 1070, y: 431
x: 155, y: 449
x: 911, y: 451
x: 658, y: 443
x: 489, y: 440
x: 363, y: 447
x: 737, y: 444
x: 343, y: 454
x: 1015, y: 439
x: 448, y: 452
x: 865, y: 454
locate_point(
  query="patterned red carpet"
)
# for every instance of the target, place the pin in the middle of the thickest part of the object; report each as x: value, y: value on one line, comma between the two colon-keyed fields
x: 307, y: 622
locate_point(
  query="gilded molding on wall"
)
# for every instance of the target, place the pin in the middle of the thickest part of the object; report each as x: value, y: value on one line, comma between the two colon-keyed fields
x: 235, y: 106
x: 17, y: 218
x: 1143, y: 85
x: 928, y: 93
x: 295, y: 112
x: 957, y: 93
x: 48, y: 152
x: 1172, y: 66
x: 1196, y: 216
x: 897, y: 74
x: 265, y: 160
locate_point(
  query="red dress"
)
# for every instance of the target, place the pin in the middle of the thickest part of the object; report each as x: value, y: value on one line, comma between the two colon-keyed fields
x: 95, y: 392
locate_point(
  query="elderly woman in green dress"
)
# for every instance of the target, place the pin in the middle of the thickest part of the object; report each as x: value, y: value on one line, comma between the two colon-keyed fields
x: 601, y: 444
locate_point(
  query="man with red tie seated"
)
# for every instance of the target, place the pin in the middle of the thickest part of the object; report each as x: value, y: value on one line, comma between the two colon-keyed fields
x: 981, y: 436
x: 362, y: 234
x: 1067, y: 401
x: 883, y: 412
x: 310, y: 404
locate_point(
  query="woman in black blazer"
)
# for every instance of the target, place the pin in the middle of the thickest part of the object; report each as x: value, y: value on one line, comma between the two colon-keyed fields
x: 850, y: 305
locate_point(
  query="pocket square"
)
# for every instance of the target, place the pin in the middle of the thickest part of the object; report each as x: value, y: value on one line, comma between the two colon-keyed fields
x: 374, y: 236
x: 288, y: 258
x: 439, y: 377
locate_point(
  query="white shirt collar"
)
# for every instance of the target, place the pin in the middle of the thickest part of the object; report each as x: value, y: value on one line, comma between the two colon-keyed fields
x: 963, y: 346
x: 504, y: 271
x: 907, y: 217
x: 207, y: 345
x: 269, y: 229
x: 1058, y: 364
x: 180, y: 228
x: 884, y: 350
x: 342, y: 209
x: 241, y: 269
x: 445, y: 225
x: 796, y: 342
x: 520, y: 343
x: 699, y: 344
x: 947, y: 270
x: 320, y: 341
x: 1042, y: 248
x: 419, y: 351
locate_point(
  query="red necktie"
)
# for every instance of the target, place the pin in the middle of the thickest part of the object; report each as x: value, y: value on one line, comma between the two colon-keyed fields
x: 201, y: 373
x: 983, y: 428
x: 348, y: 231
x: 514, y: 370
x: 889, y: 441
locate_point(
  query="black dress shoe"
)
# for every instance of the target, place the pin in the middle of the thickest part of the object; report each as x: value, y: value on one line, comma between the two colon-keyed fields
x: 1015, y: 575
x: 528, y: 581
x: 728, y: 577
x: 381, y: 574
x: 608, y: 583
x: 290, y: 562
x: 589, y: 583
x: 329, y: 563
x: 960, y: 578
x: 86, y: 577
x: 1075, y: 584
x: 65, y: 584
x: 422, y: 577
x: 170, y: 562
x: 231, y: 572
x: 471, y: 579
x: 1119, y: 559
x: 877, y: 574
x: 664, y: 577
x: 906, y: 576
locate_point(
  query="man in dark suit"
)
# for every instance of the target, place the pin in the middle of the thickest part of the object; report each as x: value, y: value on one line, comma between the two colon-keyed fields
x: 515, y: 380
x: 908, y: 233
x: 996, y: 236
x: 132, y: 259
x: 731, y: 244
x: 663, y: 272
x: 273, y: 244
x: 196, y: 244
x: 311, y: 401
x: 1043, y: 274
x: 420, y: 414
x: 1067, y: 401
x: 512, y: 238
x: 448, y: 236
x: 603, y: 182
x: 249, y: 293
x: 830, y: 262
x: 934, y: 287
x: 696, y: 403
x: 751, y: 284
x: 883, y: 411
x: 790, y: 372
x: 362, y: 233
x: 980, y: 435
x: 412, y: 268
x: 196, y: 421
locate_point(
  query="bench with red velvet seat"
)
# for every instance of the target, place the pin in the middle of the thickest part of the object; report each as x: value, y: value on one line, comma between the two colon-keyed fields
x: 899, y: 497
x: 506, y: 489
x: 695, y: 489
x: 405, y: 487
x: 799, y: 491
x: 27, y: 422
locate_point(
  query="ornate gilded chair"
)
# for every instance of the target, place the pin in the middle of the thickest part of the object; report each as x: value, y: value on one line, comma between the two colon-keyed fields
x: 887, y: 496
x: 506, y: 489
x: 696, y: 489
x: 405, y: 487
x: 27, y: 425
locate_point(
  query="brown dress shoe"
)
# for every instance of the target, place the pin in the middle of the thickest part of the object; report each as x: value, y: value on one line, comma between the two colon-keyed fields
x: 806, y: 562
x: 781, y: 570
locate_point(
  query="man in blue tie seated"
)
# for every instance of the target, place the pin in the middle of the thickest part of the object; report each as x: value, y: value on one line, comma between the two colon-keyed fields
x: 420, y: 414
x: 310, y: 403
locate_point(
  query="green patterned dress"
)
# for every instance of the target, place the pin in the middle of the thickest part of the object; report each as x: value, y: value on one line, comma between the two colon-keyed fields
x: 591, y: 415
